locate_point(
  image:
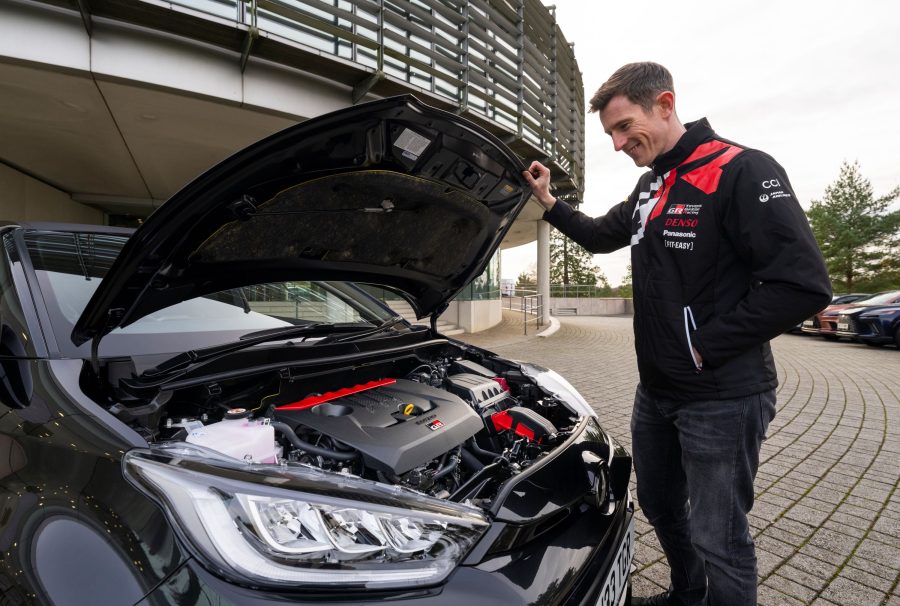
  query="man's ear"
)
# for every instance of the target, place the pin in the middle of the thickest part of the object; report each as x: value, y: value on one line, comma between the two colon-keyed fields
x: 665, y: 101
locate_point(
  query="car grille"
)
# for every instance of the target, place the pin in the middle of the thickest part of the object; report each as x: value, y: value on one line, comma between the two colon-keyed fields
x: 850, y: 321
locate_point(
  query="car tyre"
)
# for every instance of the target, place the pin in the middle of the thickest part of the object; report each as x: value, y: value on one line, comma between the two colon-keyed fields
x: 897, y: 337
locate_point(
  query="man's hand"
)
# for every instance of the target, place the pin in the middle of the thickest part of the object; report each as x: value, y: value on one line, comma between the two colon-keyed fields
x: 698, y: 359
x: 538, y: 177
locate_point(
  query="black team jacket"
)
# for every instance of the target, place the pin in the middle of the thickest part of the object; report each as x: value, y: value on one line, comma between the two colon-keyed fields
x: 722, y: 258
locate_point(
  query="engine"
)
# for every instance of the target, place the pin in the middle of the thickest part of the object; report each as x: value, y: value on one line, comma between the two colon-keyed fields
x: 395, y: 424
x: 449, y: 427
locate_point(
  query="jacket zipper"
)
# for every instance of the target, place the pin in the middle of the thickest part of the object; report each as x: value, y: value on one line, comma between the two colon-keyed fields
x: 688, y: 324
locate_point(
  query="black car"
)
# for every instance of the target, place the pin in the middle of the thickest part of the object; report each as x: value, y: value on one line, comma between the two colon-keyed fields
x: 874, y: 326
x: 215, y: 409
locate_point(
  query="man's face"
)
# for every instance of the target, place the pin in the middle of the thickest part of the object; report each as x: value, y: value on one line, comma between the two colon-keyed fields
x: 639, y: 133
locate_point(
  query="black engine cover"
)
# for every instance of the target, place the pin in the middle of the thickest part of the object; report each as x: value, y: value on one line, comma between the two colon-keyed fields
x: 396, y: 427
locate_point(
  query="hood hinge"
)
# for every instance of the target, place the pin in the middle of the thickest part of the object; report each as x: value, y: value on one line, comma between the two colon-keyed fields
x: 243, y: 208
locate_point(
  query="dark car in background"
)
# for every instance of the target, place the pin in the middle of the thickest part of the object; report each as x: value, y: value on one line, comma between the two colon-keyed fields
x: 827, y: 319
x: 212, y: 409
x: 813, y: 324
x: 875, y: 326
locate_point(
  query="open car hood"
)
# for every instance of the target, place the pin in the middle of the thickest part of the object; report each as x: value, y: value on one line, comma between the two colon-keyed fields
x: 393, y: 193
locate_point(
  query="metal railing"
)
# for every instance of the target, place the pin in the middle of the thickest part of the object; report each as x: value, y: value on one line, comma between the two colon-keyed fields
x: 578, y: 291
x: 505, y: 63
x: 531, y: 304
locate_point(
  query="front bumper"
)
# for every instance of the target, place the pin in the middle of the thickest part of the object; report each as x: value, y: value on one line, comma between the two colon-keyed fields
x: 874, y: 331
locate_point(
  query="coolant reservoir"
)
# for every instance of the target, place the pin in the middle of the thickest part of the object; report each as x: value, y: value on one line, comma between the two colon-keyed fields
x: 239, y: 436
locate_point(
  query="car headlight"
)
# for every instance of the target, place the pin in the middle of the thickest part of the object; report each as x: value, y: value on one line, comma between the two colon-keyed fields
x: 301, y: 527
x: 554, y: 383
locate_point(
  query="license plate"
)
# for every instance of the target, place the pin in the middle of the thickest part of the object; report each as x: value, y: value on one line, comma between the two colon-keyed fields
x: 843, y: 326
x: 613, y: 590
x: 807, y: 322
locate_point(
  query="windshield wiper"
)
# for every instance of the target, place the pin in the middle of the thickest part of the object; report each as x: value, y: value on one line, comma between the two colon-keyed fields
x: 387, y: 324
x: 187, y: 359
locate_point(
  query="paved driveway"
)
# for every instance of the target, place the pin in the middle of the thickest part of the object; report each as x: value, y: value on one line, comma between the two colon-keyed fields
x: 827, y: 515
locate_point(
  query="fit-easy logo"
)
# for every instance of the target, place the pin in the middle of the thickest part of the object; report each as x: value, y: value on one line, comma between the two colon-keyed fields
x: 681, y: 222
x: 678, y: 245
x: 771, y: 183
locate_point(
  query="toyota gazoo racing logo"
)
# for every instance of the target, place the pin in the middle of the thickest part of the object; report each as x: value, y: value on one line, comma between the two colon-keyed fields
x: 684, y: 209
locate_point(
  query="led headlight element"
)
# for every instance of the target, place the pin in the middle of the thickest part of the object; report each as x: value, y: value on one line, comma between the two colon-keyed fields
x: 354, y: 533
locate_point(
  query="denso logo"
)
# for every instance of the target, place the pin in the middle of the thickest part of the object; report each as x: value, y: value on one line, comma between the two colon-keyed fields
x: 673, y: 222
x: 771, y: 183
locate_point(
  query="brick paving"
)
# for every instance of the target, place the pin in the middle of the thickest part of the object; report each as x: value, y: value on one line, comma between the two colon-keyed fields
x: 827, y: 516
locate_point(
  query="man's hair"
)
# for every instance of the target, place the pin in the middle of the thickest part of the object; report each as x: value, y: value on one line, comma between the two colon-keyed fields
x: 641, y: 83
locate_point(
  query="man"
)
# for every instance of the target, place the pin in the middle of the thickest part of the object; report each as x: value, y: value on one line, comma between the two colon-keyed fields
x: 723, y: 260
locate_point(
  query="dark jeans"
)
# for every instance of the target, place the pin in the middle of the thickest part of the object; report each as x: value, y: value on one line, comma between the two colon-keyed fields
x: 695, y: 463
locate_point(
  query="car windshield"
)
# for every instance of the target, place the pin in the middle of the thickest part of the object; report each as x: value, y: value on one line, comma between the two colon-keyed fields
x: 887, y: 297
x: 841, y: 299
x: 69, y: 267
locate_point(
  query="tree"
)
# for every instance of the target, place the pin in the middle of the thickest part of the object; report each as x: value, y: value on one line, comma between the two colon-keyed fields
x: 571, y: 264
x: 527, y: 280
x: 859, y: 234
x: 625, y: 289
x: 603, y: 289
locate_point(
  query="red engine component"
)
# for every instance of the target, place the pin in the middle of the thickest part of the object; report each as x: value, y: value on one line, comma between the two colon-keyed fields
x: 310, y: 401
x: 523, y: 422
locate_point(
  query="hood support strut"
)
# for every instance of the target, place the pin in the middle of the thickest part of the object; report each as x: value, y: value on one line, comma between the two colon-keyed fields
x: 112, y: 320
x: 95, y: 355
x: 435, y: 314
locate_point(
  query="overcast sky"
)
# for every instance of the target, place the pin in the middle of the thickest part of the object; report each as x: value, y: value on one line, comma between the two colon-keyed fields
x: 811, y: 83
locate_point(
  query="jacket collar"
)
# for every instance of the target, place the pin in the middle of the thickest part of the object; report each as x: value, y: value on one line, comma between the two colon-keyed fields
x: 697, y: 132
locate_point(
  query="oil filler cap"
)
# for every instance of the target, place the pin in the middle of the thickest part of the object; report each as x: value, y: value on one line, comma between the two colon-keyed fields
x: 410, y: 410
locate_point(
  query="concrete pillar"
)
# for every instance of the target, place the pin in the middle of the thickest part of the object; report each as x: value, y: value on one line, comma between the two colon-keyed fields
x: 543, y: 266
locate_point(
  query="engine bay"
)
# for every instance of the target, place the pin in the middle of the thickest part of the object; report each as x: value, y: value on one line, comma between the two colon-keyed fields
x: 443, y: 420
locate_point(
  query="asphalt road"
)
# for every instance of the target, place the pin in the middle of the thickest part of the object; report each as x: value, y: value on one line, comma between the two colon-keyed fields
x: 827, y: 515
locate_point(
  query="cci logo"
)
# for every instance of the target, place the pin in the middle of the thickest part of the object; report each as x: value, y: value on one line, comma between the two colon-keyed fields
x: 771, y: 183
x: 764, y: 198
